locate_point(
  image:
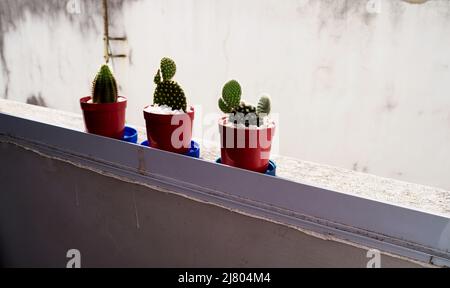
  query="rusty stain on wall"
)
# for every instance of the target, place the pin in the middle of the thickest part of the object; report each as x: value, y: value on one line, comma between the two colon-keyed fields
x: 37, y: 100
x: 13, y: 12
x: 141, y: 158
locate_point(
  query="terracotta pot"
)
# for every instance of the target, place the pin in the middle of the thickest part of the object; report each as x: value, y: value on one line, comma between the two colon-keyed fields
x: 246, y: 148
x: 171, y: 133
x: 104, y: 119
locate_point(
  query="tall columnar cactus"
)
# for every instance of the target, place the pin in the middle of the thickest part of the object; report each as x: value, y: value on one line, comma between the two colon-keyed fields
x: 240, y: 112
x: 167, y: 91
x: 104, y: 87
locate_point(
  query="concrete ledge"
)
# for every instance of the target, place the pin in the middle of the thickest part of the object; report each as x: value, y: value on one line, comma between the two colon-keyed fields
x: 326, y: 213
x: 416, y: 196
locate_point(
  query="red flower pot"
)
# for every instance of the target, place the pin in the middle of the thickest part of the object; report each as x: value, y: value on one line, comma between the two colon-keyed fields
x: 171, y: 133
x: 246, y: 148
x: 104, y: 119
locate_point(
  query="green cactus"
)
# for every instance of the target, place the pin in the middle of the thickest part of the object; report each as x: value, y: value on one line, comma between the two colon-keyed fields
x: 224, y: 107
x: 240, y: 112
x: 168, y: 68
x: 245, y: 114
x: 167, y: 91
x: 231, y: 96
x: 104, y: 87
x: 264, y: 105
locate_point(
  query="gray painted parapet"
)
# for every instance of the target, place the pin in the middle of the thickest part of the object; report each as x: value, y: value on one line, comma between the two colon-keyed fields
x: 317, y: 211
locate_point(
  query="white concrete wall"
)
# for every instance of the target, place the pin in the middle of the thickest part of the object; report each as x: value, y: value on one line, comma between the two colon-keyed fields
x: 357, y: 86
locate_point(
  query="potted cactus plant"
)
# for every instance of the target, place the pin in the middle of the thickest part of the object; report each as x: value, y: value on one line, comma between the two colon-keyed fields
x: 104, y: 111
x: 169, y: 120
x: 246, y: 133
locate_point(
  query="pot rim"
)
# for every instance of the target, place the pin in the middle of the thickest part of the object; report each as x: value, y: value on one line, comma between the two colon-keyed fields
x: 85, y: 106
x: 84, y: 100
x: 158, y: 114
x: 224, y: 119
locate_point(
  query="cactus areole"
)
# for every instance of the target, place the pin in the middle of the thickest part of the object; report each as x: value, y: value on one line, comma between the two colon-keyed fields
x: 104, y: 111
x: 169, y: 131
x: 246, y: 133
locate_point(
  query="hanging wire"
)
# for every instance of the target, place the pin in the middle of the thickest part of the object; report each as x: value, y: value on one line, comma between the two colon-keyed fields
x: 107, y: 47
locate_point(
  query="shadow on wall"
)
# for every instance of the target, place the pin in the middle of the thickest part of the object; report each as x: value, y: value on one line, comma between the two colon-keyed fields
x: 37, y: 100
x: 415, y: 1
x: 12, y: 12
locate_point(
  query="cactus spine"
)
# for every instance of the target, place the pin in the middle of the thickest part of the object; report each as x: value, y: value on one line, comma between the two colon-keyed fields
x: 240, y: 112
x: 104, y: 87
x: 168, y: 92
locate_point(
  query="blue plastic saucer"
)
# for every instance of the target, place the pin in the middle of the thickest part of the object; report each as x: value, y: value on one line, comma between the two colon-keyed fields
x: 130, y: 135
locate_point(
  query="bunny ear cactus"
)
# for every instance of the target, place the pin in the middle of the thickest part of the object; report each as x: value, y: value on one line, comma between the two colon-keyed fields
x: 168, y: 92
x: 240, y: 112
x: 104, y: 87
x: 168, y: 68
x: 231, y: 96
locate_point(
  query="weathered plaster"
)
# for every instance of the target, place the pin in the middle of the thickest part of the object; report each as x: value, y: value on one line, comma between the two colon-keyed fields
x: 14, y: 12
x: 361, y: 86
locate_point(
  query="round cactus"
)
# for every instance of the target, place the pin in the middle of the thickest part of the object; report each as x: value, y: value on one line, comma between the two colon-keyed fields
x: 168, y: 68
x: 245, y: 114
x: 231, y: 96
x: 264, y: 105
x: 245, y: 108
x: 167, y: 91
x: 104, y: 87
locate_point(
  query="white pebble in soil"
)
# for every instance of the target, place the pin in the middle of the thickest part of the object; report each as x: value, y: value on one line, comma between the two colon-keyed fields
x: 267, y: 122
x: 164, y: 110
